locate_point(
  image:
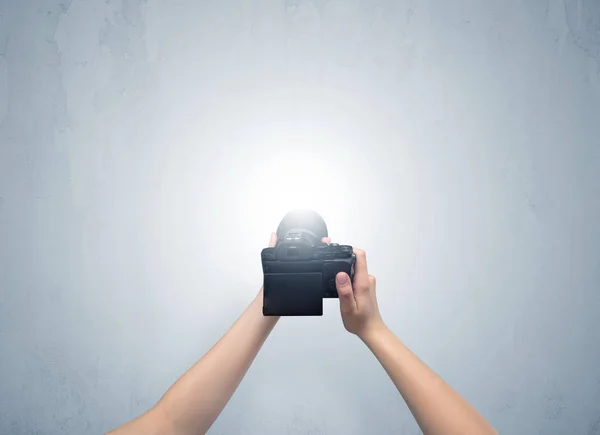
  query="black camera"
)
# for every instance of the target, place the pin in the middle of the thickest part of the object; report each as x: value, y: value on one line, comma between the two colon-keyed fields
x: 300, y: 270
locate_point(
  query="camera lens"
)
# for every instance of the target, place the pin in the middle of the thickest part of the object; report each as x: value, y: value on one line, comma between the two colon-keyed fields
x: 302, y: 224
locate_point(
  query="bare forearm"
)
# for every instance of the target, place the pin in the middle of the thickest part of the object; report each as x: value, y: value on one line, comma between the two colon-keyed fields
x: 437, y: 408
x: 195, y: 401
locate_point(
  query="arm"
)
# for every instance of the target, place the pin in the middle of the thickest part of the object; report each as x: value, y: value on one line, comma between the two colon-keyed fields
x: 195, y: 401
x: 437, y: 408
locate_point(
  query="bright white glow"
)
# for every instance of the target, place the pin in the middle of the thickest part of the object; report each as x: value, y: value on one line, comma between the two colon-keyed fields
x: 291, y: 181
x: 274, y: 156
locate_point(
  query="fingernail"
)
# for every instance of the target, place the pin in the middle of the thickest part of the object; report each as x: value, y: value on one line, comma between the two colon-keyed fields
x: 342, y: 278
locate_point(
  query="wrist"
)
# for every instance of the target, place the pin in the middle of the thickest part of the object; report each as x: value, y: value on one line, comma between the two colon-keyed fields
x: 372, y: 332
x: 258, y: 303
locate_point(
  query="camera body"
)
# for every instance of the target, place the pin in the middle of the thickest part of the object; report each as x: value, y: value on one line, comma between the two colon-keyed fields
x: 300, y: 270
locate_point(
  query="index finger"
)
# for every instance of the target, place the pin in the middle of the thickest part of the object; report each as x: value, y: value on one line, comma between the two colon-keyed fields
x: 273, y: 240
x: 360, y: 266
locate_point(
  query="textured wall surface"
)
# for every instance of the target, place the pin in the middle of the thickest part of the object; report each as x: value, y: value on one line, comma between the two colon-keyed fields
x: 141, y: 153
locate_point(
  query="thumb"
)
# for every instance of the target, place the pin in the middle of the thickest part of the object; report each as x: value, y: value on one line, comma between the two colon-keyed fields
x: 345, y: 293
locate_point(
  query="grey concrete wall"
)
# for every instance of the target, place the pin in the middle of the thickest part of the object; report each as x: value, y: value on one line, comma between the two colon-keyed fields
x: 144, y: 148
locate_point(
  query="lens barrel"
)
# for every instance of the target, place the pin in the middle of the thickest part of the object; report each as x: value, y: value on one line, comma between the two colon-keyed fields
x: 307, y: 222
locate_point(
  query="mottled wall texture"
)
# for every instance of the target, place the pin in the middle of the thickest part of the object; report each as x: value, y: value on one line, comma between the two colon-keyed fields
x: 146, y: 148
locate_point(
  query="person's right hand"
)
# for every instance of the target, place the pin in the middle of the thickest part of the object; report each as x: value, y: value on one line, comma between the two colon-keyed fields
x: 358, y: 301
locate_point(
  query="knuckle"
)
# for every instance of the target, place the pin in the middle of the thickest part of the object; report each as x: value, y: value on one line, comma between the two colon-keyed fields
x: 372, y: 280
x: 360, y: 253
x: 347, y: 295
x: 363, y: 285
